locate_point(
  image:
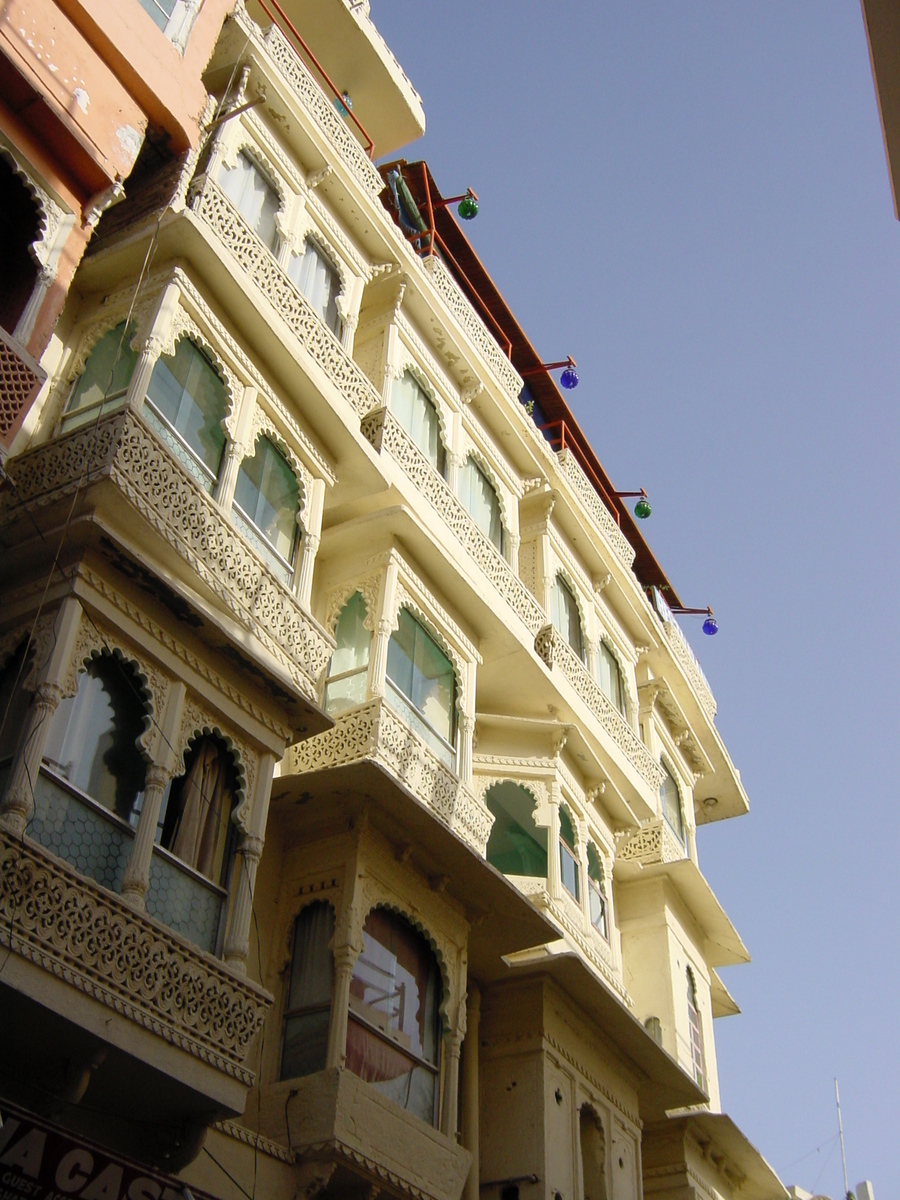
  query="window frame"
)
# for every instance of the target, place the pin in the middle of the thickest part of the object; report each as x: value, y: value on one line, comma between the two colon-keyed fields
x: 598, y: 888
x: 439, y: 463
x: 562, y: 586
x: 314, y: 243
x: 472, y: 461
x: 452, y: 746
x: 570, y: 851
x: 306, y: 1010
x: 173, y: 431
x: 71, y: 419
x: 695, y: 1031
x: 296, y: 533
x: 680, y: 831
x: 248, y: 151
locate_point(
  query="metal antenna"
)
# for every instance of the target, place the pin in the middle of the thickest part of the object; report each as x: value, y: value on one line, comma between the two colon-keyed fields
x: 837, y: 1098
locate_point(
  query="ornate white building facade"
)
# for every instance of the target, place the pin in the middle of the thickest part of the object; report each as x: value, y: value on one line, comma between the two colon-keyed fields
x: 351, y: 759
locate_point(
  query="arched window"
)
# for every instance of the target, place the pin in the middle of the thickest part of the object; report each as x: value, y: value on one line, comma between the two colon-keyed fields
x: 477, y: 495
x: 611, y: 677
x: 698, y: 1064
x: 253, y: 196
x: 592, y: 1143
x: 319, y: 282
x: 20, y: 227
x: 194, y: 817
x: 565, y: 616
x: 569, y: 866
x: 187, y: 401
x: 267, y: 495
x: 422, y: 685
x: 418, y: 416
x: 93, y: 735
x: 104, y: 381
x: 307, y: 1009
x: 393, y: 1030
x: 516, y: 845
x: 349, y: 668
x: 670, y: 803
x: 597, y: 893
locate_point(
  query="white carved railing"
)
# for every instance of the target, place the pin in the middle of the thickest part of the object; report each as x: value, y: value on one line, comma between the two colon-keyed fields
x: 684, y: 655
x: 374, y: 732
x: 210, y: 204
x: 448, y: 289
x: 555, y: 651
x: 385, y: 432
x: 123, y: 449
x: 274, y: 46
x: 583, y: 488
x: 86, y: 936
x: 653, y: 843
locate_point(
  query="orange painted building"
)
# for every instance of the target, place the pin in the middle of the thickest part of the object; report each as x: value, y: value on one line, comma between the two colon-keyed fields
x: 83, y: 85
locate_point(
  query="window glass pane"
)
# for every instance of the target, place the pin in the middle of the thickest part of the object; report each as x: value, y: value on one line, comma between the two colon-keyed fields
x: 611, y: 677
x: 253, y: 196
x: 565, y: 616
x: 516, y: 845
x: 597, y: 892
x: 105, y: 378
x: 569, y: 872
x: 697, y: 1062
x: 418, y: 416
x: 268, y: 494
x: 477, y: 495
x: 352, y: 637
x: 92, y: 739
x: 159, y: 10
x: 191, y: 397
x: 392, y: 1036
x: 402, y: 653
x: 670, y: 803
x: 308, y: 1005
x: 422, y: 672
x: 317, y: 279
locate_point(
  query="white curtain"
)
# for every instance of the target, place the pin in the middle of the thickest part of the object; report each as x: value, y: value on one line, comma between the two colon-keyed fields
x: 418, y: 416
x: 317, y: 279
x: 253, y: 197
x: 477, y: 496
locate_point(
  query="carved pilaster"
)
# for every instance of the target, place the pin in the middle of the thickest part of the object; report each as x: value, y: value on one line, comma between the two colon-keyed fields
x: 17, y: 806
x: 345, y: 957
x: 136, y: 879
x: 237, y: 941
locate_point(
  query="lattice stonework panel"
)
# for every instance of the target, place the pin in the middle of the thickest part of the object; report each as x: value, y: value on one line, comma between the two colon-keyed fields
x: 20, y: 382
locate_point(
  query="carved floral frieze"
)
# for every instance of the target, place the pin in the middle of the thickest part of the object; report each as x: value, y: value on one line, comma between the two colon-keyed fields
x: 653, y: 843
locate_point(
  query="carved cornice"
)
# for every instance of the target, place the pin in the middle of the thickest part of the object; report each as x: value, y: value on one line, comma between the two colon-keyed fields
x: 256, y: 1140
x: 96, y: 943
x: 374, y: 732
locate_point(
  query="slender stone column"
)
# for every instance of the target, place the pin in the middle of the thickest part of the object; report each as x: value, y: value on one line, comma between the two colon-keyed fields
x: 304, y: 573
x: 232, y: 457
x: 237, y: 942
x: 136, y: 879
x: 452, y: 1045
x: 466, y: 730
x: 470, y: 1115
x: 344, y: 961
x: 17, y: 807
x: 554, y: 882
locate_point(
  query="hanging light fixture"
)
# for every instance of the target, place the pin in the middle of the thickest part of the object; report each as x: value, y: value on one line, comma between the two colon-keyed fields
x: 468, y: 204
x: 569, y: 377
x: 344, y: 105
x: 642, y: 509
x: 710, y: 626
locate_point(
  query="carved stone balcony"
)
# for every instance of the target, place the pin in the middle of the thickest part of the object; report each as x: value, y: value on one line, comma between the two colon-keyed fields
x: 274, y: 289
x: 686, y: 659
x: 556, y: 652
x: 385, y: 433
x: 137, y: 971
x: 374, y: 733
x: 147, y: 477
x: 280, y: 57
x: 652, y: 844
x: 595, y: 508
x: 333, y: 1121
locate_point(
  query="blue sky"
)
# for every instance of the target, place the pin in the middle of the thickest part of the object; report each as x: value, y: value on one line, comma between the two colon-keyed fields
x: 692, y: 200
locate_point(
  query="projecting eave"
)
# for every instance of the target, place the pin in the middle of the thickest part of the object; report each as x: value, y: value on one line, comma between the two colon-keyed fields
x: 882, y: 21
x: 723, y: 1003
x: 722, y: 943
x: 358, y: 61
x: 659, y: 1078
x: 735, y: 1156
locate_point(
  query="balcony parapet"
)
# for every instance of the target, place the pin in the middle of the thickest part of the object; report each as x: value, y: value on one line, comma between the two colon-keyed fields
x: 654, y: 843
x: 122, y: 449
x: 375, y: 733
x: 597, y: 510
x: 555, y: 651
x: 384, y: 432
x: 209, y: 203
x: 684, y: 656
x: 20, y: 381
x: 275, y: 47
x: 597, y: 952
x: 93, y: 941
x: 448, y: 289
